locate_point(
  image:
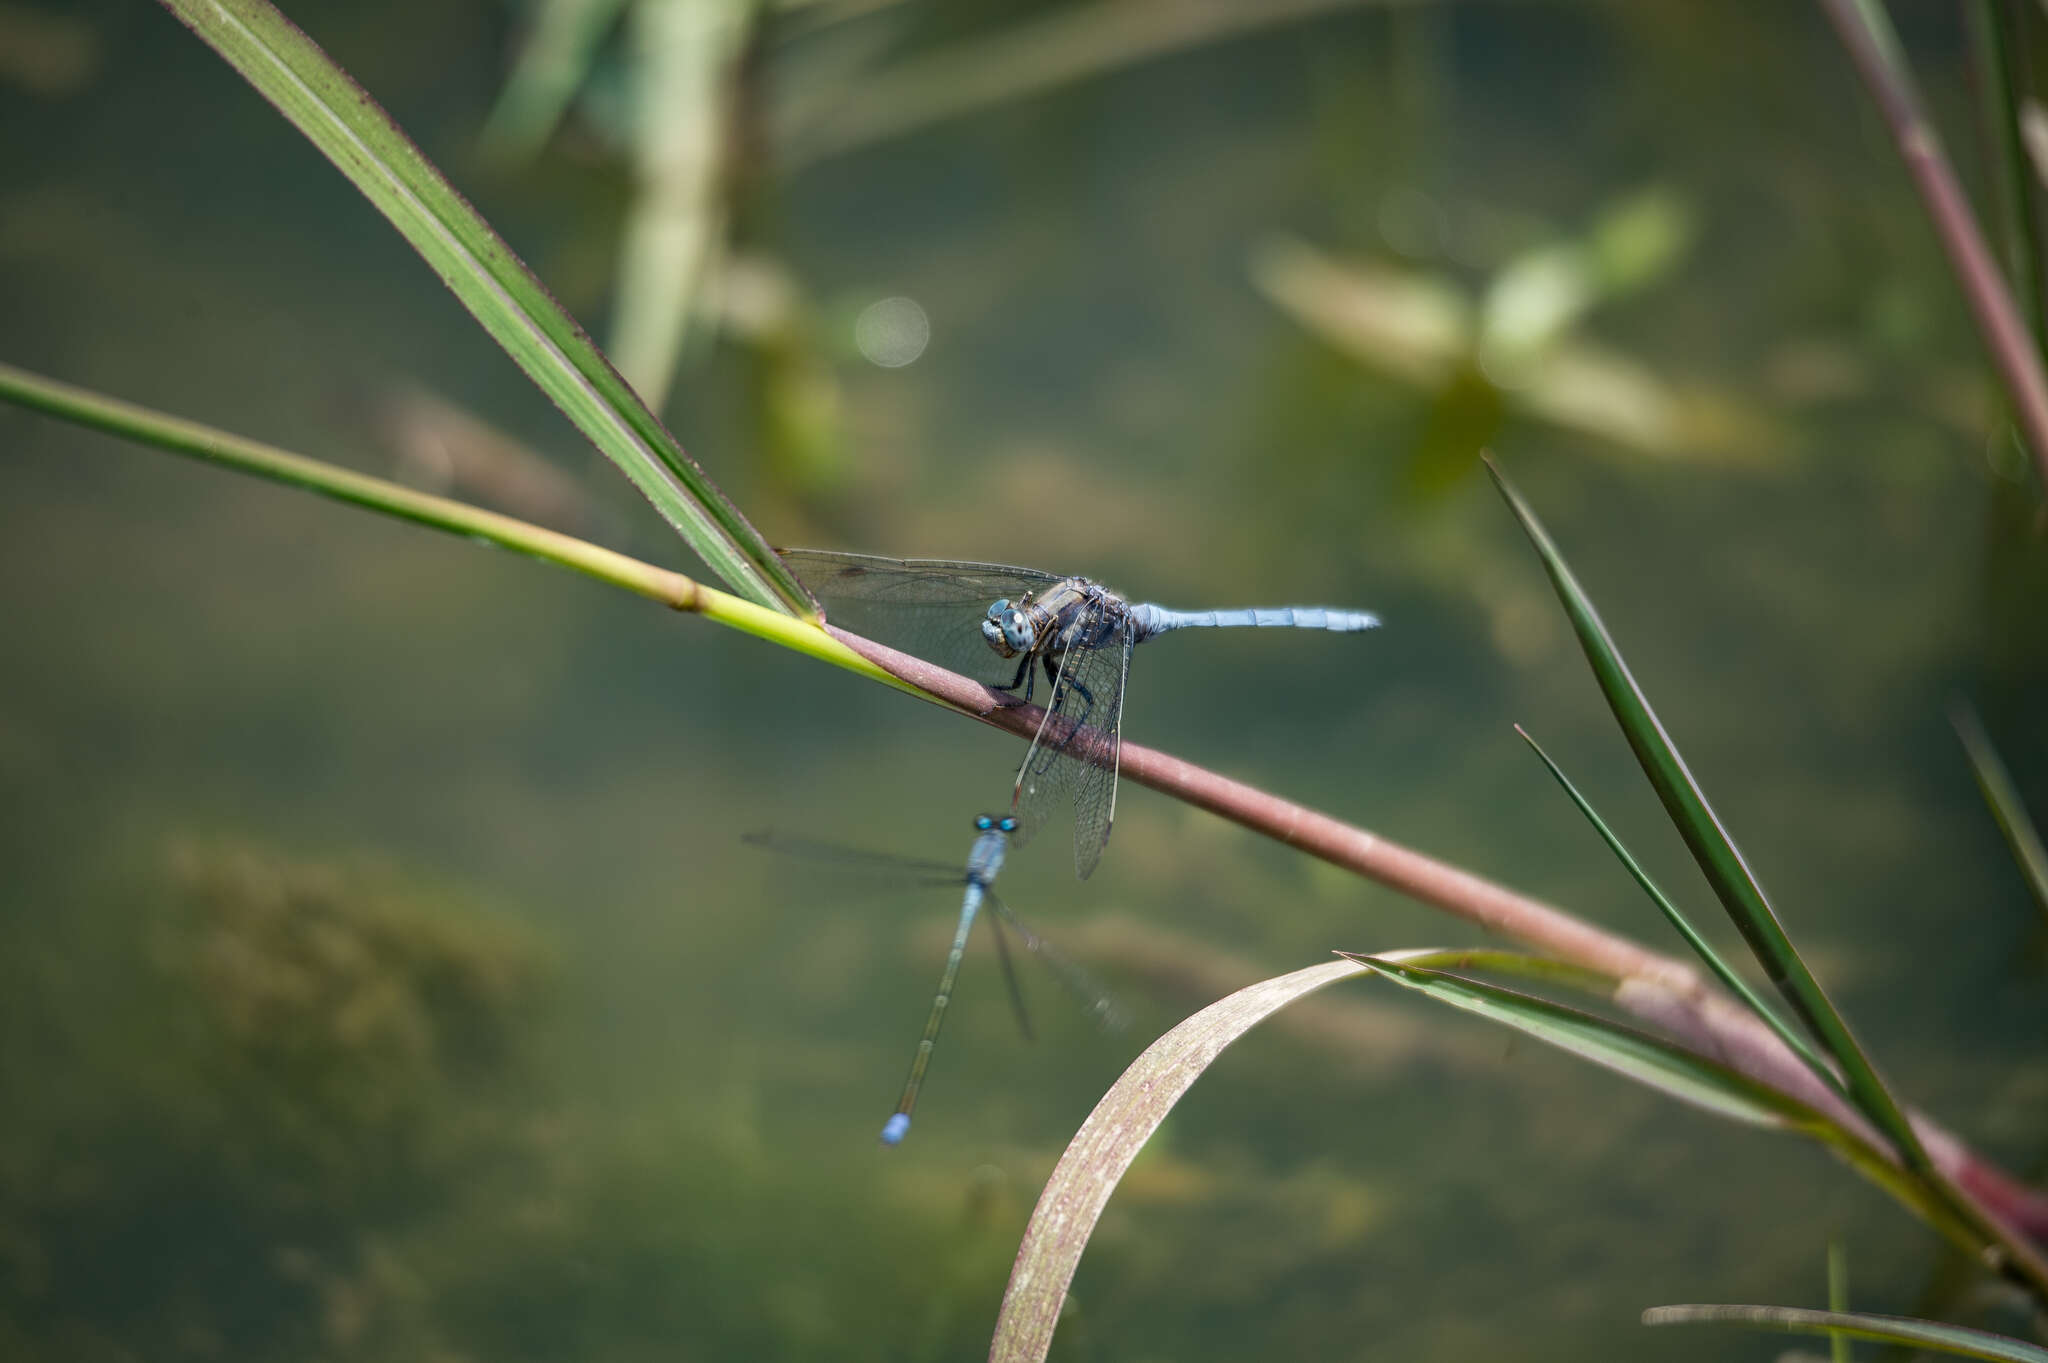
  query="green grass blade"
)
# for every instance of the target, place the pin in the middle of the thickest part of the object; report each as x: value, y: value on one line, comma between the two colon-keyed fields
x: 1744, y: 899
x: 2004, y: 799
x: 349, y: 128
x: 1649, y: 1060
x: 1107, y: 1143
x: 1735, y: 984
x: 1672, y: 1069
x: 197, y: 441
x: 1838, y: 1297
x: 554, y: 60
x: 1995, y: 48
x: 685, y: 72
x: 1710, y: 844
x: 1500, y: 961
x: 1088, y: 1172
x: 1902, y: 1330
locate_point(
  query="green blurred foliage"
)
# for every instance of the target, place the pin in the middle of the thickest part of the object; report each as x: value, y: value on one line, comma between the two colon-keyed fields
x: 306, y: 1066
x: 319, y: 1123
x: 261, y: 1108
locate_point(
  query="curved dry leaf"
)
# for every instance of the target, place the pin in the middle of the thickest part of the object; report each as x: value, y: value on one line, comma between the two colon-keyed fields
x: 1898, y: 1330
x: 1110, y: 1139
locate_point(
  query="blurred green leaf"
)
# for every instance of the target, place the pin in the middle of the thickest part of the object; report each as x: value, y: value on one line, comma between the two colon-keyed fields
x: 1585, y: 387
x: 1055, y: 46
x: 1534, y: 300
x: 1540, y: 295
x: 1463, y: 420
x: 562, y: 39
x: 1520, y: 350
x: 2003, y: 797
x: 1413, y: 327
x: 2034, y: 137
x: 685, y: 71
x: 1638, y: 241
x: 794, y: 390
x: 1902, y: 1330
x: 497, y: 288
x: 1838, y: 1296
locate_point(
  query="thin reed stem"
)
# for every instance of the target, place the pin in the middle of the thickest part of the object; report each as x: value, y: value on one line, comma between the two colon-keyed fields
x: 198, y: 441
x: 1873, y: 47
x: 1663, y: 990
x: 1660, y: 989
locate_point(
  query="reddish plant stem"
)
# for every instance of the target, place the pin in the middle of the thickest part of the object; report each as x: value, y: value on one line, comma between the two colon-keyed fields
x: 1984, y: 287
x: 1659, y: 989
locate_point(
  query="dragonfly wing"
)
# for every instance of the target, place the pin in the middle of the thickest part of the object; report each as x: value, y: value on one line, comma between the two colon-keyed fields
x: 930, y: 607
x: 1010, y: 982
x: 1038, y: 788
x: 1095, y: 762
x: 908, y: 870
x: 1084, y: 987
x: 919, y: 581
x: 1075, y: 751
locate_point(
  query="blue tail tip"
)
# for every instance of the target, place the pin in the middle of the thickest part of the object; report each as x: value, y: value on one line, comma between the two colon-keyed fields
x: 895, y: 1129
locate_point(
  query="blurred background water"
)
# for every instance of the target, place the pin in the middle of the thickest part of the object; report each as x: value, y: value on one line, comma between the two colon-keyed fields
x: 384, y: 976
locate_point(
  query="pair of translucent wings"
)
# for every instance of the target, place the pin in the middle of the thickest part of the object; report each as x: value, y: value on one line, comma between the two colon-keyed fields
x: 870, y: 869
x: 933, y: 608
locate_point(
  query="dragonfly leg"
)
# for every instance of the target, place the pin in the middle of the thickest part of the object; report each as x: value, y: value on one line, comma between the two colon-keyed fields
x: 1023, y: 679
x: 1033, y: 764
x: 1061, y: 687
x: 1088, y: 699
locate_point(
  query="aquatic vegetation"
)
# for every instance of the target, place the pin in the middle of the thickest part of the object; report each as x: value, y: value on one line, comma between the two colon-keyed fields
x: 296, y: 1067
x: 326, y: 1079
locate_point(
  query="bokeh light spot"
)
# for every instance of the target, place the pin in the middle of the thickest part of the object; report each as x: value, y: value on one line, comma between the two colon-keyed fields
x: 892, y: 332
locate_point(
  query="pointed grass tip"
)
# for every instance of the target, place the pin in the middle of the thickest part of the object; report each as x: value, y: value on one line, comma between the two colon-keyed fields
x: 896, y: 1128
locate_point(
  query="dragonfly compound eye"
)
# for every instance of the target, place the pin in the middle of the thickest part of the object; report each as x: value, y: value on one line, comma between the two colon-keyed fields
x: 983, y: 822
x: 1007, y: 630
x: 1008, y: 825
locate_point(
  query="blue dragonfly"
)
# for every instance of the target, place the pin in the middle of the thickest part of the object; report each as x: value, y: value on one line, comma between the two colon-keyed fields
x: 992, y: 836
x: 1077, y: 633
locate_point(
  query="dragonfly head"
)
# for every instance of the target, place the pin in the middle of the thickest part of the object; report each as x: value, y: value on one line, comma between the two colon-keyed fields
x: 986, y: 823
x: 1008, y: 630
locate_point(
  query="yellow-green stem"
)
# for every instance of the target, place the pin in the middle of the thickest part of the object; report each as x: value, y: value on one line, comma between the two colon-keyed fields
x: 197, y: 441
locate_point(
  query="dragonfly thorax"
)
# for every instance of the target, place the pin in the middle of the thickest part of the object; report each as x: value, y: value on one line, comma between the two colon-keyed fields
x: 1008, y: 630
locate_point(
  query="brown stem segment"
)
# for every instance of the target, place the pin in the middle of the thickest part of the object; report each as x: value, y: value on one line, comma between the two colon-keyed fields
x: 2012, y: 349
x: 1657, y: 988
